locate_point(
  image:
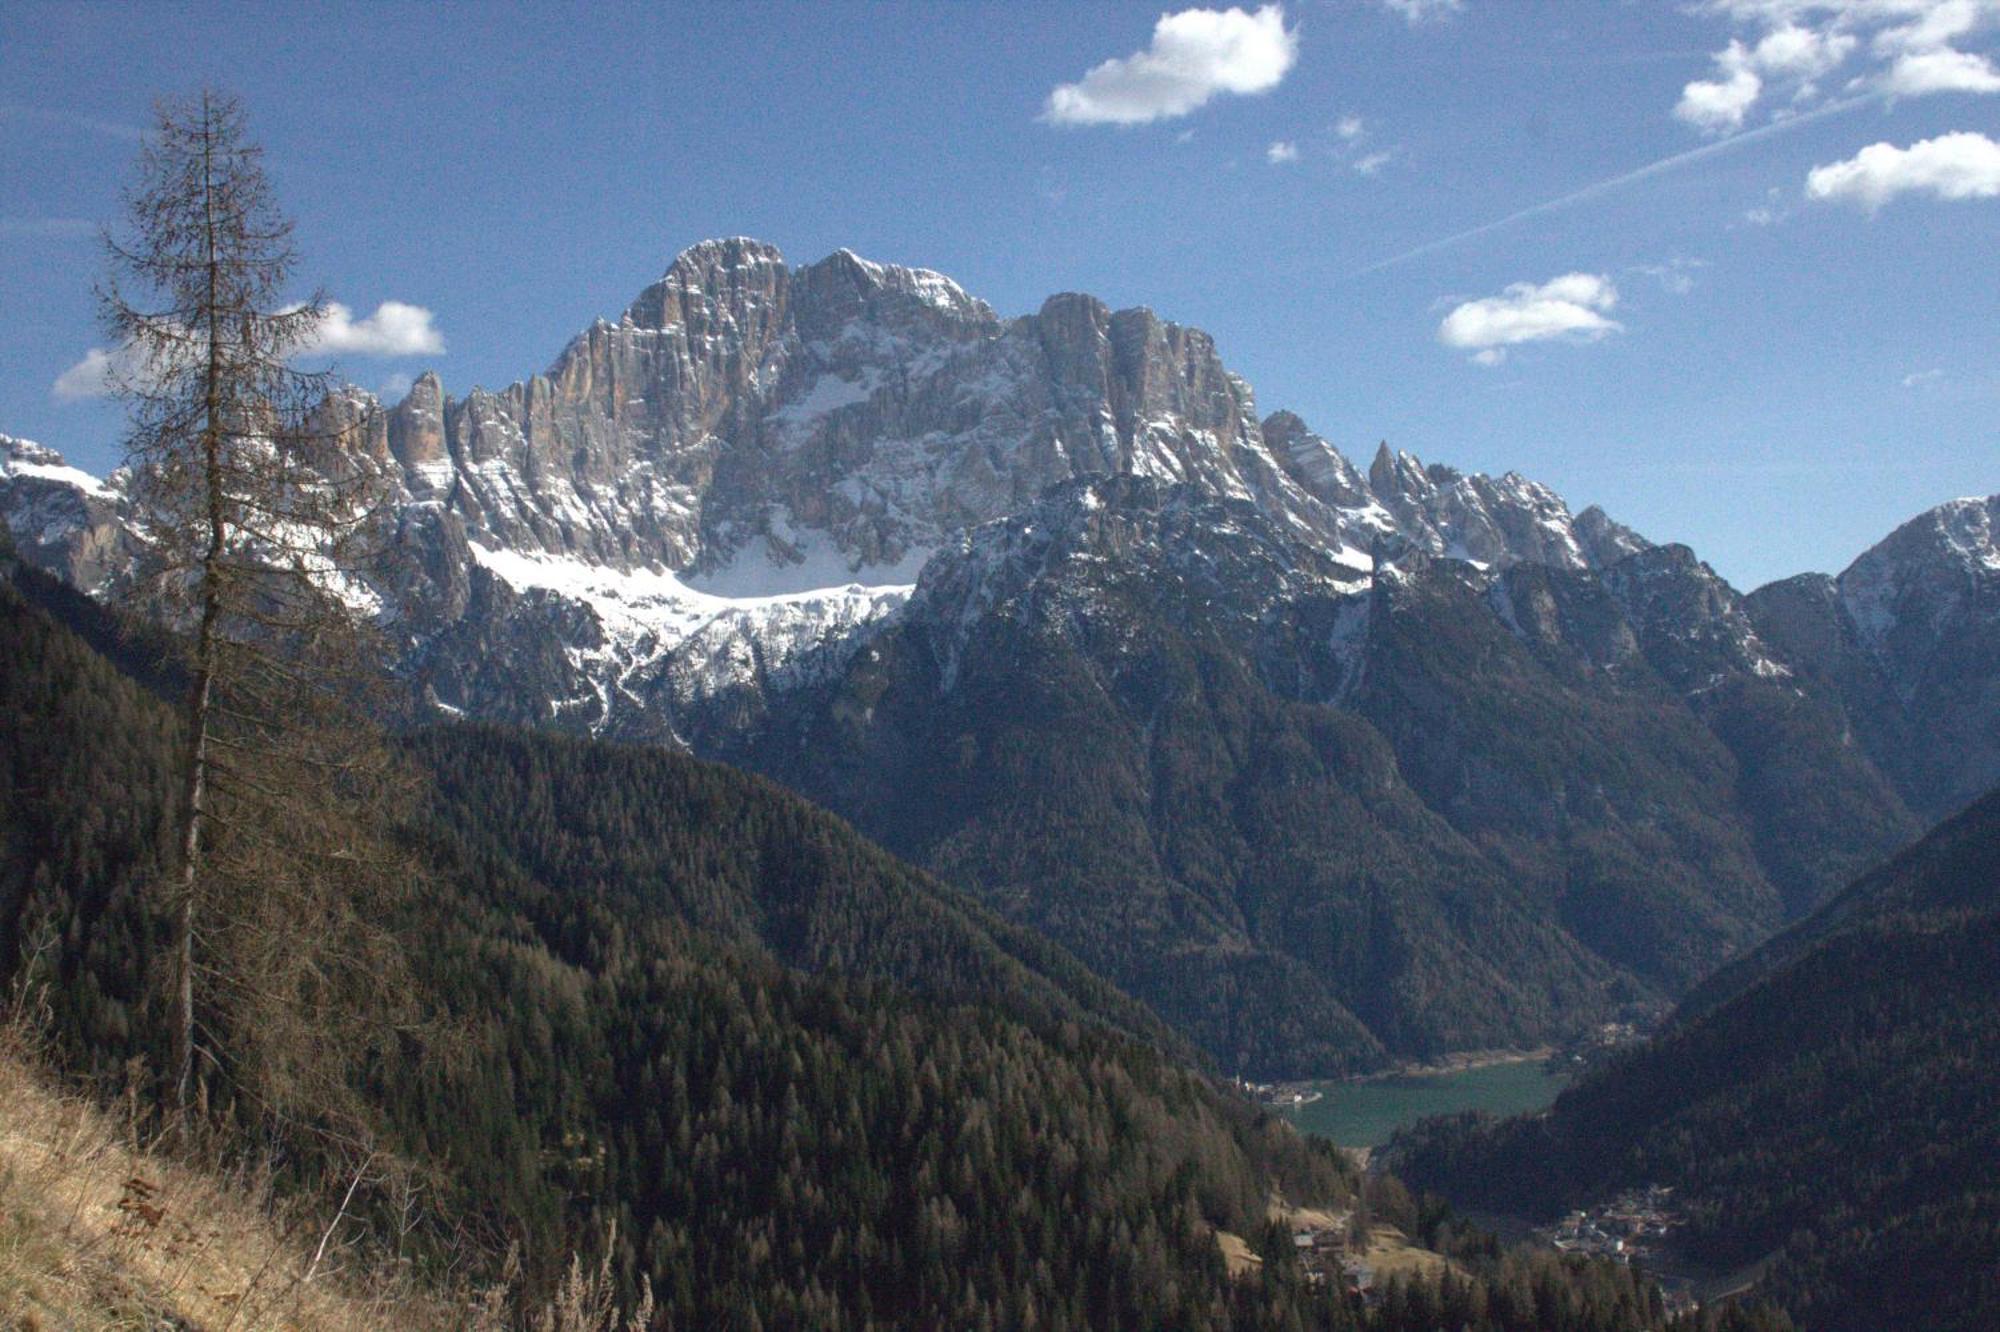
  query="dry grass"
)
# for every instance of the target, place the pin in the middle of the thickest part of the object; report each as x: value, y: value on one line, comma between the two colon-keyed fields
x: 95, y: 1234
x: 1390, y: 1253
x: 1238, y: 1258
x: 1303, y: 1218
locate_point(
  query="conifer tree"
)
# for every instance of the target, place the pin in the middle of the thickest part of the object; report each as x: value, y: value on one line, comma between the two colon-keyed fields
x: 258, y: 501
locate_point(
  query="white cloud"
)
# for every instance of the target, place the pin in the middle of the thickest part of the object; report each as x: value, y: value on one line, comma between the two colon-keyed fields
x: 1924, y: 72
x: 1951, y: 166
x: 1908, y: 48
x: 395, y: 387
x: 1718, y: 106
x: 1573, y: 308
x: 1282, y: 152
x: 1194, y: 55
x: 1415, y: 12
x: 395, y: 329
x: 1792, y: 51
x: 1922, y: 378
x: 88, y: 378
x: 1353, y: 147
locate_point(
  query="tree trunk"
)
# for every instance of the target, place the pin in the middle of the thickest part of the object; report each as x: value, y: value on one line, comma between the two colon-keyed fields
x: 201, y: 696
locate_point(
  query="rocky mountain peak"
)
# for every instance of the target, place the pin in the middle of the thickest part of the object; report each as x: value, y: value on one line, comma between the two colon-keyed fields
x: 757, y: 430
x: 1604, y: 540
x: 712, y: 280
x: 1493, y: 521
x: 1960, y: 534
x: 1905, y: 584
x: 1693, y: 625
x: 1393, y: 472
x: 844, y: 286
x: 61, y: 517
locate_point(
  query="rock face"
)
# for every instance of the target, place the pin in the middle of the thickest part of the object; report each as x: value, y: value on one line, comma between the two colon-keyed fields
x: 1908, y: 637
x: 1322, y: 763
x: 63, y: 519
x: 747, y: 423
x: 680, y: 505
x: 1312, y: 815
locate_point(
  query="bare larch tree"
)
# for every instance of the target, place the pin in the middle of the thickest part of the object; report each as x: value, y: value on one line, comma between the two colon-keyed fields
x: 258, y: 499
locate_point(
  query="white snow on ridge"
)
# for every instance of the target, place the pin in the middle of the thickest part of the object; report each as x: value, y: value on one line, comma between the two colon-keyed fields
x: 657, y: 627
x: 932, y: 288
x: 1967, y: 529
x: 655, y: 599
x: 23, y: 458
x: 820, y: 567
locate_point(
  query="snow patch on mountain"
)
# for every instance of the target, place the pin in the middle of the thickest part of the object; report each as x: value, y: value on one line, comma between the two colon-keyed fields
x: 642, y: 605
x: 654, y: 630
x: 25, y: 458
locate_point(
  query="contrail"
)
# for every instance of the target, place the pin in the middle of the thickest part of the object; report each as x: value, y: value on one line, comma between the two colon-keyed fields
x: 1660, y: 167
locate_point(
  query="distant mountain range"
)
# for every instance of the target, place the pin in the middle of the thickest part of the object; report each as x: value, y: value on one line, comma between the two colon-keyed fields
x: 1327, y: 766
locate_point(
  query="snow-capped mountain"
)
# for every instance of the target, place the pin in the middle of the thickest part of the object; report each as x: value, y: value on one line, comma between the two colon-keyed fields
x: 764, y: 429
x: 61, y: 517
x: 715, y: 492
x: 1045, y: 604
x: 1909, y: 637
x: 1281, y: 799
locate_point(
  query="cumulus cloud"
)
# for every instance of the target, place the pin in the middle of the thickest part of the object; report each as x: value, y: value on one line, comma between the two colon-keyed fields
x: 1802, y: 53
x: 1195, y: 55
x: 1282, y: 152
x: 397, y: 328
x: 1922, y: 378
x: 1905, y: 48
x: 1951, y: 166
x: 1373, y: 162
x: 1350, y: 128
x: 1573, y: 308
x: 1718, y: 105
x: 1942, y: 71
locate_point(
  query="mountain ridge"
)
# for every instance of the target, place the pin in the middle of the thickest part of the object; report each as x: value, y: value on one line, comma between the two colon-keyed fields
x: 1825, y: 1105
x: 784, y: 515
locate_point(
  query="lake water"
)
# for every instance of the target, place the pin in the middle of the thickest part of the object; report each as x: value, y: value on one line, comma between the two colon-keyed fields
x: 1365, y: 1114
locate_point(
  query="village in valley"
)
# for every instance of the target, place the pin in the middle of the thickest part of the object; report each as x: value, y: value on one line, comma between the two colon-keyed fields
x: 1629, y: 1227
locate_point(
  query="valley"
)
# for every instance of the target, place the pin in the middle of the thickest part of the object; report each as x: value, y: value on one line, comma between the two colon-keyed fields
x: 587, y: 744
x: 1046, y: 606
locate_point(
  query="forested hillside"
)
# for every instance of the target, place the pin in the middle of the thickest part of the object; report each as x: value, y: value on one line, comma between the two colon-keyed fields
x: 802, y: 1085
x: 1316, y: 824
x: 1833, y: 1101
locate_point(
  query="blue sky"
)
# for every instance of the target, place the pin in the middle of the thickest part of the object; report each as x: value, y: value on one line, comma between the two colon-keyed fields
x: 1773, y: 365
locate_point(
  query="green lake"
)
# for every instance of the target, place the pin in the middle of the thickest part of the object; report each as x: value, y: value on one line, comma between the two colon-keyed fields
x: 1365, y: 1114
